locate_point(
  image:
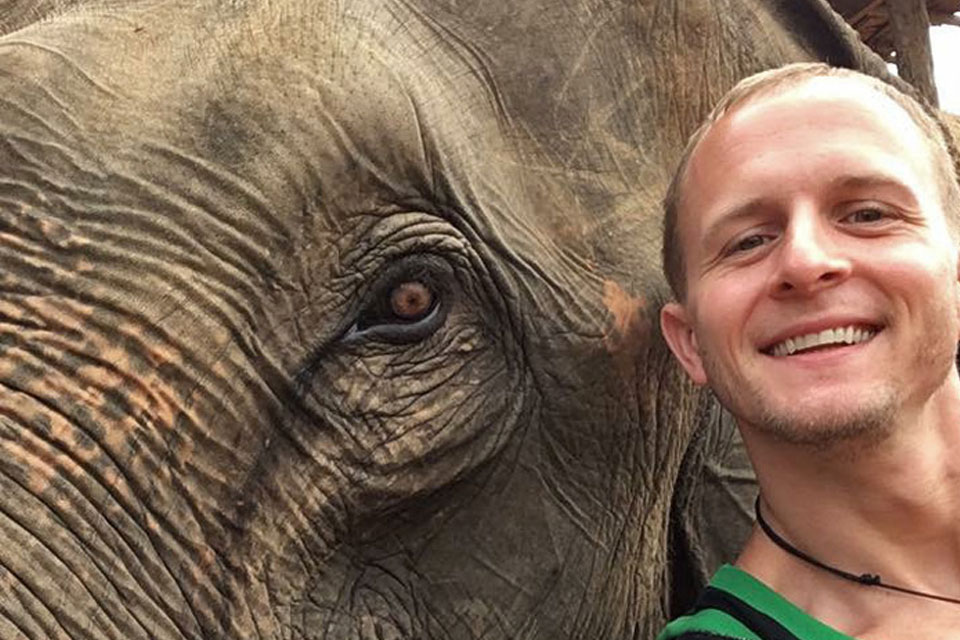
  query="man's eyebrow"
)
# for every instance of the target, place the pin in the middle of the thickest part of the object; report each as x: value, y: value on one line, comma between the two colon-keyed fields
x: 868, y: 181
x: 736, y: 213
x: 888, y: 186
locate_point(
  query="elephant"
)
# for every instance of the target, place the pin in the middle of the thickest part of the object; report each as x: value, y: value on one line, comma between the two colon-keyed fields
x: 337, y: 318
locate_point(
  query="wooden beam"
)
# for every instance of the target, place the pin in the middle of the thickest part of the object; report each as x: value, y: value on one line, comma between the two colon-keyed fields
x: 867, y: 9
x: 882, y: 43
x: 911, y: 37
x: 943, y: 17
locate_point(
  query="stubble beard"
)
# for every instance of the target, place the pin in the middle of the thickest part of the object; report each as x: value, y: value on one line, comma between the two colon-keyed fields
x: 866, y: 422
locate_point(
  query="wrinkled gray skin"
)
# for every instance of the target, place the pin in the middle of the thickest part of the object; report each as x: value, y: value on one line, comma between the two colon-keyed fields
x: 212, y: 425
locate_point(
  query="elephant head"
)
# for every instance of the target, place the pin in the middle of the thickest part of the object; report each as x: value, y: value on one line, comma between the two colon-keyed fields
x: 336, y: 318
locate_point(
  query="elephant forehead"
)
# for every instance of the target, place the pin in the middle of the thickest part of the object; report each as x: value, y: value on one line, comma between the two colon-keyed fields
x: 536, y: 120
x: 364, y: 104
x: 391, y: 104
x: 385, y: 101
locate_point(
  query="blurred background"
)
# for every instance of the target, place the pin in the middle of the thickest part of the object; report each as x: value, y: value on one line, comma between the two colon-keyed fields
x: 919, y: 39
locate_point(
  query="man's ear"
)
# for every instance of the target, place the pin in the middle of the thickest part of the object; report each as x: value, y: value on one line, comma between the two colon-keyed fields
x: 957, y: 292
x: 676, y: 328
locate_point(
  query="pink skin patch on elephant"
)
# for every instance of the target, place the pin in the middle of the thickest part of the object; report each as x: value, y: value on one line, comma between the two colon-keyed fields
x: 626, y: 336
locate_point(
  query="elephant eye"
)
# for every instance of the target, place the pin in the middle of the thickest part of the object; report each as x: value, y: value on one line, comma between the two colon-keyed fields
x: 411, y: 301
x: 406, y: 305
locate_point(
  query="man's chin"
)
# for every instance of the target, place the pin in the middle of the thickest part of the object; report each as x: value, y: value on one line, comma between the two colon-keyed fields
x: 823, y: 416
x: 826, y: 427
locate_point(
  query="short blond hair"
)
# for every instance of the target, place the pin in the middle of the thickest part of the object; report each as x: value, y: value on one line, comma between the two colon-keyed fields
x: 770, y: 82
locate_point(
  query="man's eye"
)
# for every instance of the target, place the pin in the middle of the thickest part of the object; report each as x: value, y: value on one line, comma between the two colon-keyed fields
x: 867, y: 215
x: 747, y: 243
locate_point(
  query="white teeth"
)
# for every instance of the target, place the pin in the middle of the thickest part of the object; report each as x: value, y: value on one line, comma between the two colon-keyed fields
x: 839, y: 335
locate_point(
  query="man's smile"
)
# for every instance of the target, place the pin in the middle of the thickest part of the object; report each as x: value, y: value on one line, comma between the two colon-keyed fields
x: 841, y: 335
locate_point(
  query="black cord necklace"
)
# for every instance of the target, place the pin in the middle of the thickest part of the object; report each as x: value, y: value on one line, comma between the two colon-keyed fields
x: 867, y: 579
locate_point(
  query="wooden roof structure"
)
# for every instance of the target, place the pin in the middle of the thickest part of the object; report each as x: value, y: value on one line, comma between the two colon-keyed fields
x: 871, y: 19
x: 898, y: 30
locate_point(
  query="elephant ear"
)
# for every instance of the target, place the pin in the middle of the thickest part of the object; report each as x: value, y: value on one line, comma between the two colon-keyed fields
x: 826, y: 35
x: 712, y: 511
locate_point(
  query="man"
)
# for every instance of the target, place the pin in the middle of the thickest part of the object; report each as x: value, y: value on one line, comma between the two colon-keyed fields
x: 810, y: 240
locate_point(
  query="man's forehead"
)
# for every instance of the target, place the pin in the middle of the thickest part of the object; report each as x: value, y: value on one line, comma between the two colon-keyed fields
x: 764, y: 121
x: 814, y: 97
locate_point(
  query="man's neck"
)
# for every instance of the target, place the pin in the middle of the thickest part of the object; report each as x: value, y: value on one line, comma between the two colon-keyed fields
x: 889, y: 507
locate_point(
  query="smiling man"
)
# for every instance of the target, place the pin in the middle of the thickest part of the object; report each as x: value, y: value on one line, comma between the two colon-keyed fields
x: 810, y: 241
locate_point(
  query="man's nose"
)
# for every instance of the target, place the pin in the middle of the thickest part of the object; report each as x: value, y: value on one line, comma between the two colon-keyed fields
x: 809, y: 258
